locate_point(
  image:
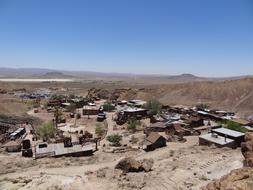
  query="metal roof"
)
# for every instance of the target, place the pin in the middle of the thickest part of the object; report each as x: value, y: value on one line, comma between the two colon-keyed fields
x: 228, y: 132
x: 218, y: 139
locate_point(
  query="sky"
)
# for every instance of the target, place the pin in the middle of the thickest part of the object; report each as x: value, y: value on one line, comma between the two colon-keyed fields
x: 168, y: 37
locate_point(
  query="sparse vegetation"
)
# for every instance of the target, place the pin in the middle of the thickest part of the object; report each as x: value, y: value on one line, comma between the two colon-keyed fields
x: 47, y: 131
x: 132, y: 124
x: 57, y: 97
x: 134, y: 140
x: 153, y: 106
x: 114, y: 139
x: 202, y: 106
x: 57, y: 116
x: 99, y: 130
x: 235, y: 126
x: 108, y: 107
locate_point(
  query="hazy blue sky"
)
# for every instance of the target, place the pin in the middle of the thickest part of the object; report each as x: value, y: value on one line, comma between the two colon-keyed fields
x: 203, y: 37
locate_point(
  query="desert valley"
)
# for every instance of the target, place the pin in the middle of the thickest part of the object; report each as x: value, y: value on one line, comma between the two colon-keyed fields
x: 124, y: 133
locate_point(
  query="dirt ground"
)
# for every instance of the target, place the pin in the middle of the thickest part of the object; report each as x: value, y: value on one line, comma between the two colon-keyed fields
x: 177, y: 166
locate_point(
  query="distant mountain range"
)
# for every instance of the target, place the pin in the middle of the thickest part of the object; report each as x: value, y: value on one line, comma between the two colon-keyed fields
x: 50, y: 73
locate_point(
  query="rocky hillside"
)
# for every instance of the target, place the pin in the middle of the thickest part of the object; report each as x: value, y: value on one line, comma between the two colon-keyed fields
x: 240, y: 179
x: 234, y: 95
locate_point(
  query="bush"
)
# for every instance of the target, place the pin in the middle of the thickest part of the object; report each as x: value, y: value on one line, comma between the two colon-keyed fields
x: 235, y: 126
x: 108, y: 107
x: 132, y: 124
x: 57, y: 97
x: 47, y: 131
x: 114, y: 139
x: 153, y: 106
x: 99, y: 130
x: 202, y: 106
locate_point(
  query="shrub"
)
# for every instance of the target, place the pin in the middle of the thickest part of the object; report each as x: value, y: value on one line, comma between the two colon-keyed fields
x: 108, y: 107
x: 132, y: 124
x: 235, y: 126
x: 202, y: 106
x: 153, y: 106
x: 47, y: 131
x: 114, y: 139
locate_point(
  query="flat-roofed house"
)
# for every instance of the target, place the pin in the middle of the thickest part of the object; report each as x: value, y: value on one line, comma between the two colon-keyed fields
x: 238, y: 137
x: 91, y: 110
x: 217, y: 140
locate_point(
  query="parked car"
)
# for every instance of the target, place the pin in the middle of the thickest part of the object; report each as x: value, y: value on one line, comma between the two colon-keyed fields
x: 101, y: 117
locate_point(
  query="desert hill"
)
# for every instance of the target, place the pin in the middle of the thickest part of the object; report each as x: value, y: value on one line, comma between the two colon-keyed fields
x: 234, y: 95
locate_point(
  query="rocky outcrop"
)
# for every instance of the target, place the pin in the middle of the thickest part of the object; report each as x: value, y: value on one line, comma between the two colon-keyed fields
x: 129, y: 164
x: 247, y: 150
x: 240, y: 179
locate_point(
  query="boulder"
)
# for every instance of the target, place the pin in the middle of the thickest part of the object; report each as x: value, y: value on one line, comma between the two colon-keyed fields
x: 240, y: 179
x: 247, y: 149
x: 129, y: 164
x: 147, y: 164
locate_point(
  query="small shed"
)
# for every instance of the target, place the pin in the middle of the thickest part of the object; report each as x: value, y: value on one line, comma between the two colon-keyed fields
x: 12, y: 146
x: 154, y: 141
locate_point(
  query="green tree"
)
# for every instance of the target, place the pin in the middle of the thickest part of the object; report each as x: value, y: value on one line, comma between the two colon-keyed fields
x: 202, y: 106
x: 132, y: 124
x: 153, y: 106
x: 235, y: 126
x: 57, y: 97
x: 99, y: 130
x: 114, y: 139
x: 47, y: 131
x: 108, y: 107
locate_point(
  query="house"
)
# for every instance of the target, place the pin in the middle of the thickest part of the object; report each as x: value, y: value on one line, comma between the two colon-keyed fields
x: 137, y: 103
x: 156, y: 127
x: 135, y: 112
x: 209, y: 116
x: 12, y: 146
x: 217, y: 140
x: 238, y: 137
x: 153, y: 141
x: 122, y: 102
x: 91, y: 110
x: 123, y: 115
x: 176, y: 128
x: 195, y: 121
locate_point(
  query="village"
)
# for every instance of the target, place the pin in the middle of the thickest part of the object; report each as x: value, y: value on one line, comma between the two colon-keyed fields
x: 80, y: 126
x: 92, y: 135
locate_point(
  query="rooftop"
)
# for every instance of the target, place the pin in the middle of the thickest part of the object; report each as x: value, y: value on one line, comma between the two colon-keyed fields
x: 229, y: 132
x: 153, y: 137
x: 217, y: 140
